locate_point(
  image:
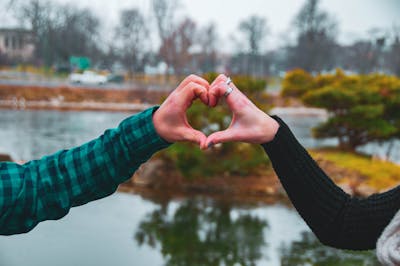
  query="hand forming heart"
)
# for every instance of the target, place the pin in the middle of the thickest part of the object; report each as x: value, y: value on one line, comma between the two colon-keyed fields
x: 249, y: 124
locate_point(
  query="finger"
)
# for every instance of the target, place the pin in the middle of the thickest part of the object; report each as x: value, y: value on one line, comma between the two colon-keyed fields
x: 213, y: 100
x: 192, y: 91
x: 203, y: 144
x: 195, y: 79
x: 216, y: 92
x: 215, y: 95
x: 236, y: 100
x: 194, y: 136
x: 220, y: 137
x: 221, y: 77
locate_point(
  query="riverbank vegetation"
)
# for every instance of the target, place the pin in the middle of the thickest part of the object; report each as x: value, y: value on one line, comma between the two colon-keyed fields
x: 79, y: 94
x: 361, y: 170
x: 357, y: 174
x: 362, y: 108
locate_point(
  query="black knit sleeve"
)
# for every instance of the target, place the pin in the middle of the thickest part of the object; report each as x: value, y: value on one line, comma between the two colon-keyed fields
x: 337, y: 219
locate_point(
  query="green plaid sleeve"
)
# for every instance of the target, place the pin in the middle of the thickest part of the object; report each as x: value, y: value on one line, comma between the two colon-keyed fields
x: 46, y: 189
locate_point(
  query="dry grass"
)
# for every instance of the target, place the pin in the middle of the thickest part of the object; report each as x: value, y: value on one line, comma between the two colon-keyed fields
x: 377, y: 174
x: 70, y: 94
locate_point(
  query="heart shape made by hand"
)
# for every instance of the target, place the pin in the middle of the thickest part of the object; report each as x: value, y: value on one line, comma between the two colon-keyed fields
x: 248, y: 124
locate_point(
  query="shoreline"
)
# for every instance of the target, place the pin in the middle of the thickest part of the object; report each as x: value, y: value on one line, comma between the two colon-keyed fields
x: 73, y: 106
x: 177, y: 194
x: 156, y: 177
x: 78, y: 98
x: 69, y: 98
x: 349, y: 171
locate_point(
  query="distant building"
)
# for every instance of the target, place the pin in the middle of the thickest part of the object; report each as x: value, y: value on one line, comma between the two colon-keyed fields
x: 16, y: 43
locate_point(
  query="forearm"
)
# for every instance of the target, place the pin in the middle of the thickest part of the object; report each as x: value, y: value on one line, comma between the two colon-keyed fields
x: 46, y: 189
x: 337, y: 219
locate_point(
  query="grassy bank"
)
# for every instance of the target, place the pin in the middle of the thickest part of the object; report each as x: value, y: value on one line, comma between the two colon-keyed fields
x: 360, y: 169
x: 357, y: 174
x: 73, y: 94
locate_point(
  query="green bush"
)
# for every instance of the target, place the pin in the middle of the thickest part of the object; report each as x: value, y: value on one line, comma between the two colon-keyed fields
x: 296, y: 83
x: 230, y: 158
x: 362, y: 108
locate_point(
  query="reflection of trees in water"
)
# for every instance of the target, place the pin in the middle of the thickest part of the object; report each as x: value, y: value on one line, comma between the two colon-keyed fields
x: 309, y: 251
x: 204, y: 233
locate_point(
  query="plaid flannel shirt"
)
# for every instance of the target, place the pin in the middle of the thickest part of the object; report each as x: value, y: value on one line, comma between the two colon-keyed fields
x: 46, y: 189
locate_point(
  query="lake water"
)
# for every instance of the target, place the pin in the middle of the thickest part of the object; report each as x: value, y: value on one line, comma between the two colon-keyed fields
x: 133, y: 229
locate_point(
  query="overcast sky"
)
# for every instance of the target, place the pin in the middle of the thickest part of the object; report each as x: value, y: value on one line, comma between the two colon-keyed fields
x: 355, y: 17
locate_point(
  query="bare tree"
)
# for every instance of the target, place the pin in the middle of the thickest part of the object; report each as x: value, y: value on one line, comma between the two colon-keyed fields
x: 176, y: 48
x: 367, y: 55
x: 77, y: 33
x: 37, y: 14
x: 132, y: 34
x: 254, y: 29
x: 207, y: 41
x: 316, y: 33
x: 60, y: 31
x: 361, y: 57
x: 393, y: 58
x: 164, y: 13
x: 249, y: 59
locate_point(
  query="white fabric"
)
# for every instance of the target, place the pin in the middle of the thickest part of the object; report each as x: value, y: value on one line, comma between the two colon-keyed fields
x: 388, y: 245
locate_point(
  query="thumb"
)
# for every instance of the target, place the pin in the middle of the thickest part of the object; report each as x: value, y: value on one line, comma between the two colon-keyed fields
x: 219, y: 137
x: 193, y: 135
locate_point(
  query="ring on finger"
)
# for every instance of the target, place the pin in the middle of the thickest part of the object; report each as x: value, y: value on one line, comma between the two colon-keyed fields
x: 228, y: 91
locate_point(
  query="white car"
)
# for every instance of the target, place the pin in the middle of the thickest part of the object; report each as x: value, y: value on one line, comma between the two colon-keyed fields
x: 88, y: 77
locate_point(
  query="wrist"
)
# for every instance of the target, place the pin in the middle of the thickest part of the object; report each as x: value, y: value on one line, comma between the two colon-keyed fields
x: 270, y: 128
x: 159, y: 126
x: 274, y: 127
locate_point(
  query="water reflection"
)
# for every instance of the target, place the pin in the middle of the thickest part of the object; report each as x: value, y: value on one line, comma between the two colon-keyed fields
x: 204, y: 231
x: 28, y: 135
x: 308, y: 251
x: 198, y: 233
